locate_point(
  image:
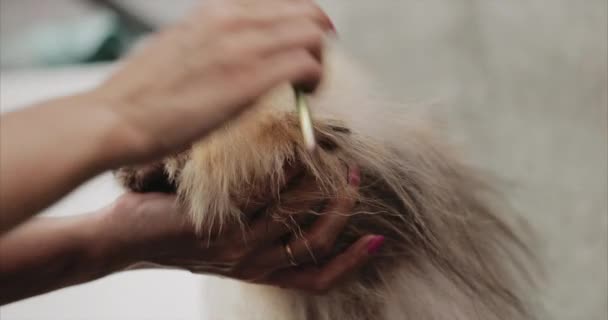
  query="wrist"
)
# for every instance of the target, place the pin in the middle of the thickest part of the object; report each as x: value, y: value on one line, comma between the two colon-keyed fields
x: 141, y: 228
x: 107, y: 251
x: 116, y: 142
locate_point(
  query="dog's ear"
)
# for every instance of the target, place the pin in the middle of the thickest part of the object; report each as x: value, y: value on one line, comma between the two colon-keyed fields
x: 146, y: 178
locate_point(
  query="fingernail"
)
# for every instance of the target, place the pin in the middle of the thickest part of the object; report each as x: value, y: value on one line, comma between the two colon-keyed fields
x: 332, y: 28
x: 375, y: 244
x: 354, y: 176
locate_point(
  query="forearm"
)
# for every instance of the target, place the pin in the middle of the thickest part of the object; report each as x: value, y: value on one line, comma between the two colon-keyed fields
x: 46, y: 254
x: 49, y: 149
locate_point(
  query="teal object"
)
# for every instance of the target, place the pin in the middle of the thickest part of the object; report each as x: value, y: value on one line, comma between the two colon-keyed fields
x: 117, y: 42
x: 100, y: 37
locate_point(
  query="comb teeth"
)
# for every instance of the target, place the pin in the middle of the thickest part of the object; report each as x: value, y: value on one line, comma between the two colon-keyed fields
x: 305, y: 121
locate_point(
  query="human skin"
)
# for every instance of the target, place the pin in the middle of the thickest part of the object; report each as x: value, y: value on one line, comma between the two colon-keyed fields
x: 189, y: 80
x: 152, y: 231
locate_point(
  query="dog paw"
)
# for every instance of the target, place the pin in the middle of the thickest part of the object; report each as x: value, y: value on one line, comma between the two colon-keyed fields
x: 146, y: 178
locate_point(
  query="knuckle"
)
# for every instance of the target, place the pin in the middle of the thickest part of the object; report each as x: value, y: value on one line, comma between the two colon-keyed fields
x: 313, y: 39
x: 229, y: 50
x: 299, y: 55
x: 352, y: 262
x: 242, y: 75
x: 317, y: 13
x: 307, y: 67
x: 234, y: 65
x: 315, y: 70
x: 214, y: 14
x: 322, y: 246
x: 309, y: 8
x: 311, y: 64
x: 227, y: 19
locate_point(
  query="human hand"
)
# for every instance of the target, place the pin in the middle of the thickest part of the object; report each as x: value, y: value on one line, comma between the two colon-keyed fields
x: 206, y: 69
x: 154, y: 230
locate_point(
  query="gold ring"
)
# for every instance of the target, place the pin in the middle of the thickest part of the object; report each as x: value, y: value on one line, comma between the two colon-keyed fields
x: 289, y: 253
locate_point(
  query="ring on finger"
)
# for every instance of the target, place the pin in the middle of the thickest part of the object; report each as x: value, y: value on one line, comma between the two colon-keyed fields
x: 289, y: 254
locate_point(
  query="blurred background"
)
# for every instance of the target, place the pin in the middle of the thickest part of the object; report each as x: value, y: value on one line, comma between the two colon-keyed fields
x: 521, y: 85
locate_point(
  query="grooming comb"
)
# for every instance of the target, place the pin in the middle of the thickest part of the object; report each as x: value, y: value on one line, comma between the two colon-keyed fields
x: 305, y: 120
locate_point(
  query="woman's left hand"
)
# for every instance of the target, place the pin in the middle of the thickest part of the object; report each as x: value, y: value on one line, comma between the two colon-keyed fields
x: 155, y: 231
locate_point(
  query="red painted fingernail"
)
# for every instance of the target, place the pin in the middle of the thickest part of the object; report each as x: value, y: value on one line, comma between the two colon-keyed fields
x: 375, y: 244
x: 354, y: 176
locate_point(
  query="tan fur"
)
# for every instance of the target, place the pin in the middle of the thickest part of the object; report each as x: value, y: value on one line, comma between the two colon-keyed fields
x: 448, y: 254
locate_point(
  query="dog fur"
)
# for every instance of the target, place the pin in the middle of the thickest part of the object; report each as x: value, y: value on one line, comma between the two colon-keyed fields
x: 449, y: 252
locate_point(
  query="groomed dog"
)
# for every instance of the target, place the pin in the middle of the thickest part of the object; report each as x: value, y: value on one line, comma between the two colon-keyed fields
x: 449, y: 253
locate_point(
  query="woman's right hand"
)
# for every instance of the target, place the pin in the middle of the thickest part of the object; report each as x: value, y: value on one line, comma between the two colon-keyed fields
x: 206, y: 69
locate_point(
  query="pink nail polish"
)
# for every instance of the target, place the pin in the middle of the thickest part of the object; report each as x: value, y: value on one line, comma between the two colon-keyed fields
x: 375, y: 244
x: 354, y: 176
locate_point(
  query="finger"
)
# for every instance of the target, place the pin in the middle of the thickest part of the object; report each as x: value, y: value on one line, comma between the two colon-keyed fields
x: 293, y: 210
x: 252, y: 203
x: 319, y: 240
x: 294, y: 34
x: 254, y: 76
x: 297, y: 66
x: 320, y: 280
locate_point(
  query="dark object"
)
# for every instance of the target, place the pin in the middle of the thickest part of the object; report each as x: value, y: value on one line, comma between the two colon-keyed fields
x: 128, y: 29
